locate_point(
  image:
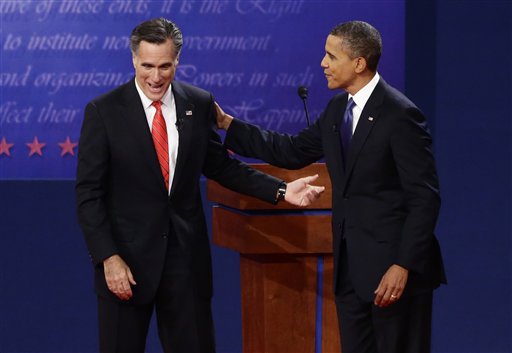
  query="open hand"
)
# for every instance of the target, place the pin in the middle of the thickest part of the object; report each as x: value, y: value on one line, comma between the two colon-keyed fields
x: 301, y: 193
x: 223, y: 119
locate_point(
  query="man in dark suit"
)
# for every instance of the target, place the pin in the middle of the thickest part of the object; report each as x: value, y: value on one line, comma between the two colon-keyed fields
x: 378, y: 152
x: 143, y: 148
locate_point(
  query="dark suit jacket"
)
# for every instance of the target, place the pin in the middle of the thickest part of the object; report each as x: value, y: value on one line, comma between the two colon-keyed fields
x: 123, y: 207
x: 385, y: 197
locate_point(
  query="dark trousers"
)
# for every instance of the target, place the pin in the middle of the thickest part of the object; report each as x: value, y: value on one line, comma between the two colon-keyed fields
x: 403, y: 327
x: 184, y: 319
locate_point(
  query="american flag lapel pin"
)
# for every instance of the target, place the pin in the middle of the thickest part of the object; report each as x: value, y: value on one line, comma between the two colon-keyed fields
x: 188, y: 112
x: 370, y: 118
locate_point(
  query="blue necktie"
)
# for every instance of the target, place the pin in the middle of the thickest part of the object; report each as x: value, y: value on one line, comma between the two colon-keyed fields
x: 346, y: 127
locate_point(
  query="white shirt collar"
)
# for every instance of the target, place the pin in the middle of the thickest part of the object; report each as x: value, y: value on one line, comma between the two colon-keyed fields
x: 362, y: 96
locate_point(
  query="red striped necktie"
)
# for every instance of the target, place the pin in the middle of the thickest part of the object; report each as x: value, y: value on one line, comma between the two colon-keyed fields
x: 159, y: 132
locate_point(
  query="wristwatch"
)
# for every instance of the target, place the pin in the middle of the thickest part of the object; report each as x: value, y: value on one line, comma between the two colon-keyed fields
x: 281, y: 191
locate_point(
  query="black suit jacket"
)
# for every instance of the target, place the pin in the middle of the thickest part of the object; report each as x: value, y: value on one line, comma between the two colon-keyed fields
x: 123, y: 207
x: 385, y: 196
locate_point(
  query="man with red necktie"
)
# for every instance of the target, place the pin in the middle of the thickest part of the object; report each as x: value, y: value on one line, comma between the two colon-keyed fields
x: 143, y: 148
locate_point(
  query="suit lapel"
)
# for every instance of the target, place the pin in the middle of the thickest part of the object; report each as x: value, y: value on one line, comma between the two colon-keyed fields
x: 184, y: 116
x: 136, y: 118
x: 336, y: 119
x: 368, y: 118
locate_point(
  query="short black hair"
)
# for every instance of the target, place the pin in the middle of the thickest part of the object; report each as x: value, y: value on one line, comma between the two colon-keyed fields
x: 360, y: 39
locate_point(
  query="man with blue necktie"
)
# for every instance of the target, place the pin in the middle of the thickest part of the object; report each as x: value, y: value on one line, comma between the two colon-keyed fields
x: 378, y: 151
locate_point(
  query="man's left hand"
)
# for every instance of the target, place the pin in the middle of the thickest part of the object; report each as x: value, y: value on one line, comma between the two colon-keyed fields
x: 391, y: 286
x: 300, y: 193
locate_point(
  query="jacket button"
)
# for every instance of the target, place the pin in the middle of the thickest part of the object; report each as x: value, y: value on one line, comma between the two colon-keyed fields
x: 164, y: 235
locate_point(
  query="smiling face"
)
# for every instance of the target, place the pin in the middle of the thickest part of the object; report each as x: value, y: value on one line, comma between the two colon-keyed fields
x: 339, y: 68
x: 155, y: 67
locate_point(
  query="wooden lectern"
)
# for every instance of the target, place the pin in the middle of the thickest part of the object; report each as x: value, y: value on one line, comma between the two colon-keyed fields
x: 285, y: 266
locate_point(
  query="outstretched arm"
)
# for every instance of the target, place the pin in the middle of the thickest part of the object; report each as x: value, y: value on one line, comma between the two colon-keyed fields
x: 278, y: 149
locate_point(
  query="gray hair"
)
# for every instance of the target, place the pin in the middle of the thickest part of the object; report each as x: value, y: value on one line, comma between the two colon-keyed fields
x: 156, y: 31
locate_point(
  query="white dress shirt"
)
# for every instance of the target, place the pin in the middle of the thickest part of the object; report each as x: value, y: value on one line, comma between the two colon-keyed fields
x: 360, y: 99
x: 169, y: 112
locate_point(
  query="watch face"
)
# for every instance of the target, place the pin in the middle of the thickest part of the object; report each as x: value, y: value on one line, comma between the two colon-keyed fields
x: 281, y: 191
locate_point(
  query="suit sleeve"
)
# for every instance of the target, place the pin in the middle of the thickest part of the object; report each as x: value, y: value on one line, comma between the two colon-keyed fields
x: 411, y: 145
x: 281, y: 150
x: 234, y: 174
x: 91, y: 186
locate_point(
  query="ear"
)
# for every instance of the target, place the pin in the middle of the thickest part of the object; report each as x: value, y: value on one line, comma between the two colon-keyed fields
x: 361, y: 65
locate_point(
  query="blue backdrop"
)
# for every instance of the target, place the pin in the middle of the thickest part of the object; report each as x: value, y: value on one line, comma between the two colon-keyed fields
x: 252, y: 54
x: 451, y: 57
